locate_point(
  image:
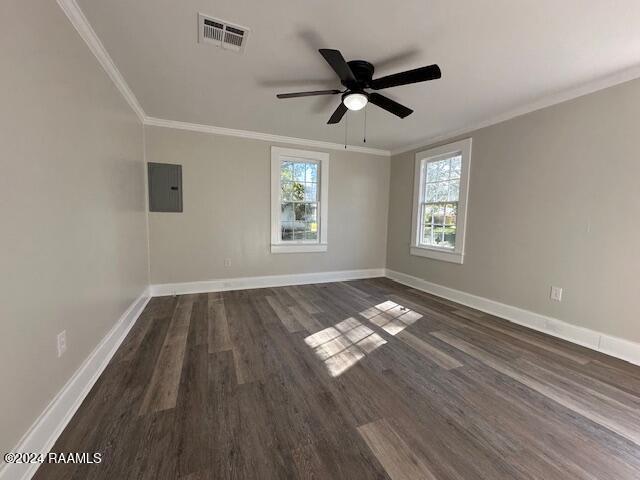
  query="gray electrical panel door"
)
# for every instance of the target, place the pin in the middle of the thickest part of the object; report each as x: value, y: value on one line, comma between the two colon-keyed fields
x: 165, y: 187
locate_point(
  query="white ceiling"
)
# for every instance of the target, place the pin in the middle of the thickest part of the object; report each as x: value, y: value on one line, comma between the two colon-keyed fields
x: 495, y: 55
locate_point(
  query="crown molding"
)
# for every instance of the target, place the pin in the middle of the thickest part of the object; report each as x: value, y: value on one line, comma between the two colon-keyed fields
x: 268, y: 137
x: 546, y: 101
x: 84, y: 28
x: 77, y: 18
x: 75, y: 15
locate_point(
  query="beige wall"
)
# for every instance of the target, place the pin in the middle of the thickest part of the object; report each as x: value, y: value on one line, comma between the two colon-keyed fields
x: 73, y: 236
x: 227, y: 184
x: 554, y: 199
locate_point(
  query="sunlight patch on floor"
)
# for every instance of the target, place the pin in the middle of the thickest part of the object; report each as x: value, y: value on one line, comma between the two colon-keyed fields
x: 391, y: 317
x: 343, y: 345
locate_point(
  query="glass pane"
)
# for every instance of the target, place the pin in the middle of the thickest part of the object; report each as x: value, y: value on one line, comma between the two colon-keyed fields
x: 431, y: 192
x: 427, y: 236
x: 298, y: 233
x: 444, y: 169
x: 299, y: 212
x: 449, y: 237
x: 456, y: 166
x: 286, y: 212
x: 438, y: 235
x: 427, y: 214
x: 287, y: 191
x: 438, y: 171
x: 286, y: 230
x: 311, y: 212
x: 310, y: 192
x: 438, y: 214
x: 312, y: 172
x: 299, y: 171
x: 297, y: 191
x: 286, y: 171
x: 451, y: 212
x: 432, y: 171
x: 311, y: 235
x: 454, y: 190
x: 437, y: 192
x: 312, y: 217
x: 442, y: 191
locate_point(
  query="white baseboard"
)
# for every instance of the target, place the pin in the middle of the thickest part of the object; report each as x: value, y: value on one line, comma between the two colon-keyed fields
x: 44, y: 432
x: 602, y: 342
x: 262, y: 282
x: 46, y: 429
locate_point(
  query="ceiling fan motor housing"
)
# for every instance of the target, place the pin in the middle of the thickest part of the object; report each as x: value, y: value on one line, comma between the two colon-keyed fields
x: 363, y: 71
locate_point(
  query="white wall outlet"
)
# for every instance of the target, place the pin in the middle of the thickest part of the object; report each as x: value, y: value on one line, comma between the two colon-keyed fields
x: 556, y: 294
x: 227, y: 262
x: 62, y: 342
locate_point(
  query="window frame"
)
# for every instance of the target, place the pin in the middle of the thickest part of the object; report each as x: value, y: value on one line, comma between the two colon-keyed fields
x: 455, y: 255
x: 278, y: 156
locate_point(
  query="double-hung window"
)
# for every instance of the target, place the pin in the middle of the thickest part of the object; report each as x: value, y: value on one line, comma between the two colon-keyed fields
x: 440, y: 201
x: 299, y: 188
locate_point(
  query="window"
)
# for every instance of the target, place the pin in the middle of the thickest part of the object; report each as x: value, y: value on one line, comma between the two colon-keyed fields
x: 440, y: 201
x: 299, y: 187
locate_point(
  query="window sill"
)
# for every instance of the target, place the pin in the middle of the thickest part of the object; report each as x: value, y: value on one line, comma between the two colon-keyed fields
x: 437, y: 254
x: 298, y: 248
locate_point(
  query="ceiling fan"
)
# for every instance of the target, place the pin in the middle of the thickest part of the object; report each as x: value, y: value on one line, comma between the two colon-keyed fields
x: 357, y: 76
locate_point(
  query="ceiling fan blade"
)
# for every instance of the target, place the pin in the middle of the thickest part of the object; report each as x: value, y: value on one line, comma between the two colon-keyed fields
x: 389, y: 105
x: 308, y: 94
x: 432, y: 72
x: 339, y: 64
x: 338, y: 114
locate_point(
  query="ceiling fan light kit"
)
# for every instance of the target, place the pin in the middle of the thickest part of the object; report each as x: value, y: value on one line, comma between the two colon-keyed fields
x: 357, y: 76
x: 355, y: 101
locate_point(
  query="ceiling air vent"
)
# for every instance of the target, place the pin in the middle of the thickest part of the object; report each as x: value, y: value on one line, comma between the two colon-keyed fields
x: 221, y: 34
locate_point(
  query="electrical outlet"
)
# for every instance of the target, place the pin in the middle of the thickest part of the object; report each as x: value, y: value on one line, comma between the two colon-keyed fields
x: 62, y: 343
x: 227, y: 262
x: 556, y: 294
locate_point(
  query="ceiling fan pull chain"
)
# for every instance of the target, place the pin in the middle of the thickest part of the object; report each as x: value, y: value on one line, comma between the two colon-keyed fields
x: 365, y: 125
x: 346, y: 128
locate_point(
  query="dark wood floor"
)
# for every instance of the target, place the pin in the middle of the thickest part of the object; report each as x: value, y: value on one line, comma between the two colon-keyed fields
x: 355, y: 380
